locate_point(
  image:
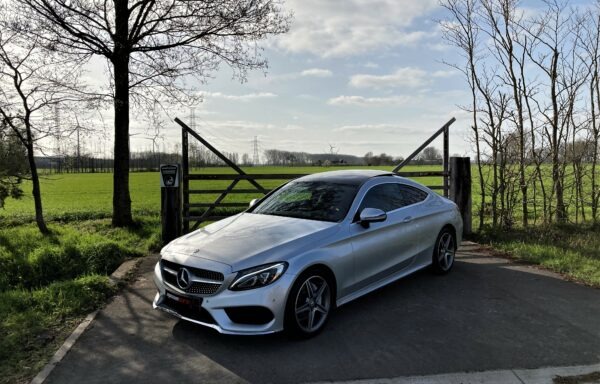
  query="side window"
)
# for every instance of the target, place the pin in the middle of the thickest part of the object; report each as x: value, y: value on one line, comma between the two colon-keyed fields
x: 391, y: 196
x: 381, y: 196
x: 410, y: 195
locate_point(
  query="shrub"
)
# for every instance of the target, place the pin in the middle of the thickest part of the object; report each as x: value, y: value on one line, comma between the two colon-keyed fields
x: 50, y: 263
x: 12, y: 270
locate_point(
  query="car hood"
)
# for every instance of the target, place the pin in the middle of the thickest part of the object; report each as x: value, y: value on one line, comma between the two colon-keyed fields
x: 248, y: 239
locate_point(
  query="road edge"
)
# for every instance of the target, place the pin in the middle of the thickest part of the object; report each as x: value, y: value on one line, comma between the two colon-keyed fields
x: 544, y: 375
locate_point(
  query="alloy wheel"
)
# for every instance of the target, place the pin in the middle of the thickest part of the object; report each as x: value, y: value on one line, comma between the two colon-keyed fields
x: 313, y: 303
x: 446, y: 251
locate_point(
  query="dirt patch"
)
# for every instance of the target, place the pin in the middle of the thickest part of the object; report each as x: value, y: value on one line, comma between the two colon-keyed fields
x: 593, y: 377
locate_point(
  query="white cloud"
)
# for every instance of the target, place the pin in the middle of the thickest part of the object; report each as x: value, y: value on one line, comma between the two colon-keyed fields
x: 243, y: 98
x: 350, y: 27
x: 361, y: 101
x: 375, y: 128
x: 316, y: 72
x: 403, y: 77
x: 444, y: 74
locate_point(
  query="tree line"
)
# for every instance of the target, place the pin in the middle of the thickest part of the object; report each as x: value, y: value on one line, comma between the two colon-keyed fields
x: 533, y: 81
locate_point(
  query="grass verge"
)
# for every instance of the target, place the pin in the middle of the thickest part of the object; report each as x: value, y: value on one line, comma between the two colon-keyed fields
x: 571, y: 250
x: 35, y: 322
x: 49, y: 283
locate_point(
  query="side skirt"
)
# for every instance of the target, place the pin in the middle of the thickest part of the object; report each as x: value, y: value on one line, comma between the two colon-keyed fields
x: 380, y: 283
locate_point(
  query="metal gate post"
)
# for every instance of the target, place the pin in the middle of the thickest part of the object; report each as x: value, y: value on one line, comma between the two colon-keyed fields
x: 170, y: 202
x: 460, y: 189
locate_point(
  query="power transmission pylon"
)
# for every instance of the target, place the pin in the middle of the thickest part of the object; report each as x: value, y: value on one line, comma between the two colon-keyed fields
x: 255, y: 158
x: 193, y: 118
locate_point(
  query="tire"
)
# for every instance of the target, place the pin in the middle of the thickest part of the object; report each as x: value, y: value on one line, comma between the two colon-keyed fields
x: 444, y: 252
x: 306, y: 315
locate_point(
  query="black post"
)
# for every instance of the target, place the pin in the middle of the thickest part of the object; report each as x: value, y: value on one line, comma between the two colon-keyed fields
x: 460, y: 189
x: 185, y: 179
x: 170, y: 196
x: 446, y: 157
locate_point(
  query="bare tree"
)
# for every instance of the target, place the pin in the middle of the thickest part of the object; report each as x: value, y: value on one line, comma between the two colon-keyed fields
x: 503, y: 19
x: 590, y: 43
x: 149, y: 45
x: 431, y: 154
x: 551, y: 34
x: 32, y: 82
x: 463, y: 33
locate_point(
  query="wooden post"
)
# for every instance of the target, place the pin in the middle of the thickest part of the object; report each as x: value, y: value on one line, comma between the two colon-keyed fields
x: 446, y: 157
x: 460, y: 189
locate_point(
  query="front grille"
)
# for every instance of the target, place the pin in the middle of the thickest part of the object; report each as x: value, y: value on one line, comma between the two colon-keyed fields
x: 197, y: 288
x: 201, y: 273
x: 203, y: 288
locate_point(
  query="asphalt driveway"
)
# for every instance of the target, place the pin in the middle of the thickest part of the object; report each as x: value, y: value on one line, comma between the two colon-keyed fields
x: 488, y: 314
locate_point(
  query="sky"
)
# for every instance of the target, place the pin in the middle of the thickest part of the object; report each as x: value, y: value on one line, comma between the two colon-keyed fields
x: 355, y: 75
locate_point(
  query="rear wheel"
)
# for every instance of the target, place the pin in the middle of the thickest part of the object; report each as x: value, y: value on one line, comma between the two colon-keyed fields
x: 309, y: 305
x: 444, y: 251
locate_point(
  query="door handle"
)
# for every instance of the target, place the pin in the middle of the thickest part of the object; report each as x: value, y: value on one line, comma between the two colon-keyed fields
x: 407, y: 219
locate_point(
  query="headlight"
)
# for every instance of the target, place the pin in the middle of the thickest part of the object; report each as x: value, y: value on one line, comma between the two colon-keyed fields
x: 258, y: 276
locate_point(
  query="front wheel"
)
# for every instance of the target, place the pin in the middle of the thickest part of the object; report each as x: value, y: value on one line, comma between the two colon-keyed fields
x: 444, y: 252
x: 309, y: 305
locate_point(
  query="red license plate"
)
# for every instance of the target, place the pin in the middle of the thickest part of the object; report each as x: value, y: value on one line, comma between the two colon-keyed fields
x: 182, y: 300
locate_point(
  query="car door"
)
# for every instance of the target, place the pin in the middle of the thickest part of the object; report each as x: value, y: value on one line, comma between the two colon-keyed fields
x: 424, y: 227
x: 389, y: 246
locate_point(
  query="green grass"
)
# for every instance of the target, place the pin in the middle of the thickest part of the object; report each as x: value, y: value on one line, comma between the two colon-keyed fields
x: 47, y: 284
x: 34, y: 323
x: 71, y: 197
x: 572, y: 250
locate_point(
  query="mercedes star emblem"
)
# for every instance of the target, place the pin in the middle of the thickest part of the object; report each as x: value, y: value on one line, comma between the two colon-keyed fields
x: 183, y: 279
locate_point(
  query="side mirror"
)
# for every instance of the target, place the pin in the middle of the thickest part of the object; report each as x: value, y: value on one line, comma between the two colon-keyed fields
x: 253, y: 202
x: 371, y: 215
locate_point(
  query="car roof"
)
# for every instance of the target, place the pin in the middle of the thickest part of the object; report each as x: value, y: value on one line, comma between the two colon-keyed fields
x: 351, y: 177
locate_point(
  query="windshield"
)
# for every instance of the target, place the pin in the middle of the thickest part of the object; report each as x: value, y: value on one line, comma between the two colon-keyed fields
x: 314, y: 200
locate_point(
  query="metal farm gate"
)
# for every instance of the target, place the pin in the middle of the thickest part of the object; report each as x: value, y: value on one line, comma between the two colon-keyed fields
x: 196, y: 213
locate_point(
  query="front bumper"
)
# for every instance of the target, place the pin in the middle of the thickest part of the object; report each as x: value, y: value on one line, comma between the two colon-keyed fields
x: 272, y: 297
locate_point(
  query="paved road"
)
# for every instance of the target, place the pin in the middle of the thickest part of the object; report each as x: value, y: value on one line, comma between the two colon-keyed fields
x: 488, y: 314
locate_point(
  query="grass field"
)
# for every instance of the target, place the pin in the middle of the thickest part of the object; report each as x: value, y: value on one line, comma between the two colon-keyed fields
x: 68, y: 197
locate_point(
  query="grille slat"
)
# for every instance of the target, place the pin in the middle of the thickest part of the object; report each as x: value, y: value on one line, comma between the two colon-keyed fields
x: 196, y: 288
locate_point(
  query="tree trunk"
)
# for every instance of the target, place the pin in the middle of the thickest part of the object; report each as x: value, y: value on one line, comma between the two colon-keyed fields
x: 121, y: 198
x: 120, y: 60
x: 36, y: 192
x: 561, y: 214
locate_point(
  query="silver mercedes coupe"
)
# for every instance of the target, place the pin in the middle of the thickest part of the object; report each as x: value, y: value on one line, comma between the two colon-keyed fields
x: 309, y: 246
